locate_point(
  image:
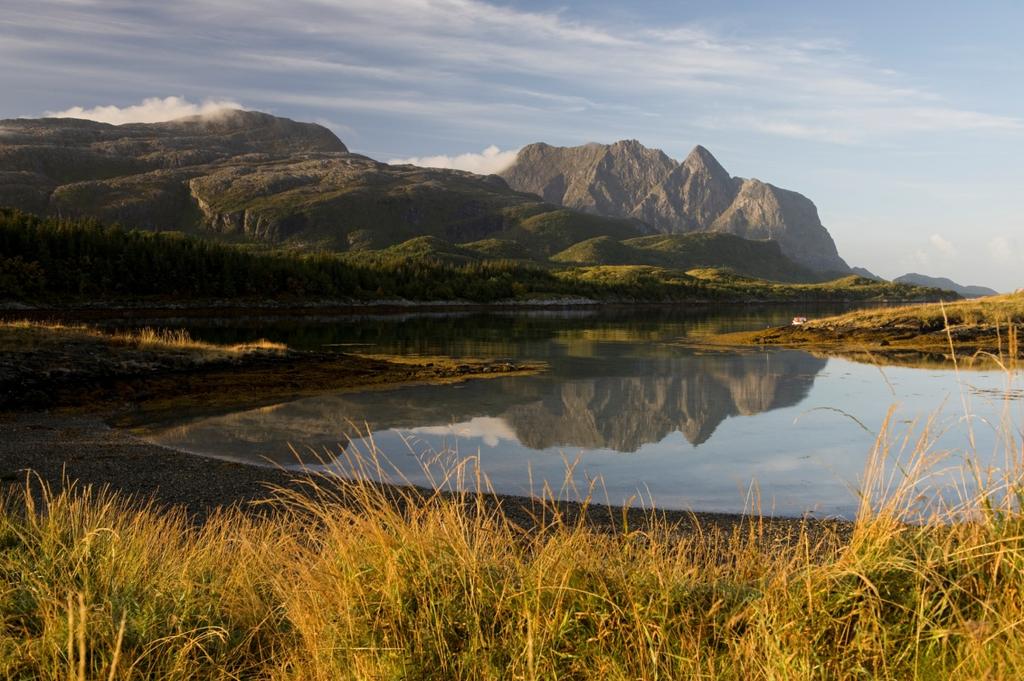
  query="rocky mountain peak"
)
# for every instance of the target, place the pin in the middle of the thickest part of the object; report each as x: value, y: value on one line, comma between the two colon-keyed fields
x: 627, y: 179
x: 700, y: 160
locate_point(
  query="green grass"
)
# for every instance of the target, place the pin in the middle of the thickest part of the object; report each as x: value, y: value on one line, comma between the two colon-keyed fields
x: 343, y: 582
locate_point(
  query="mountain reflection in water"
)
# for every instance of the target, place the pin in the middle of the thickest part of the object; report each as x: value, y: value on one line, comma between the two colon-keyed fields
x: 631, y: 402
x: 644, y: 414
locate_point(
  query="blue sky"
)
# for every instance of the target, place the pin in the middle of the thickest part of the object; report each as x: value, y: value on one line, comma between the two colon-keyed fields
x: 902, y: 121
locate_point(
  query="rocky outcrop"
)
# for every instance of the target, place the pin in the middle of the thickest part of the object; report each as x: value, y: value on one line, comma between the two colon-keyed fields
x: 626, y: 179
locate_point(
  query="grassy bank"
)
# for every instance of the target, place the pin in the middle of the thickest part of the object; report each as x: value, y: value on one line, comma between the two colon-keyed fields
x: 983, y: 329
x: 56, y: 365
x: 345, y: 581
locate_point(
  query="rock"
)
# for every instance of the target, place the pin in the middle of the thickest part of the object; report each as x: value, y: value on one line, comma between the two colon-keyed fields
x: 626, y: 179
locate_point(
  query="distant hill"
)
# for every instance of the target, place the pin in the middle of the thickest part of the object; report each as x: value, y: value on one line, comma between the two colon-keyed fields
x: 946, y: 285
x: 70, y: 262
x: 629, y: 180
x: 866, y: 273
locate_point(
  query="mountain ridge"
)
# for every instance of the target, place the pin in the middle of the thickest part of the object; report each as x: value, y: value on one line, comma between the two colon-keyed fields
x: 256, y: 177
x: 626, y: 179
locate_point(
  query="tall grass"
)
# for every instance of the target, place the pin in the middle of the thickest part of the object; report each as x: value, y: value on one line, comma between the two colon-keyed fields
x: 345, y: 578
x: 349, y: 579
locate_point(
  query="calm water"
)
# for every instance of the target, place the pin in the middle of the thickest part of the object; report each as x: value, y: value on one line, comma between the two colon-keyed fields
x: 625, y: 397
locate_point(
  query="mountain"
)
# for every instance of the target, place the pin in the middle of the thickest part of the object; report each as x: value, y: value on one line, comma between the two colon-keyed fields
x: 627, y: 180
x: 866, y: 273
x: 945, y: 284
x: 252, y: 177
x: 258, y: 177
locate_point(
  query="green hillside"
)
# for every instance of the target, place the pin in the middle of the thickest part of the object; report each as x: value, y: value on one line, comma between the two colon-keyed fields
x: 760, y: 259
x: 69, y: 262
x: 545, y: 234
x: 604, y: 250
x: 498, y: 249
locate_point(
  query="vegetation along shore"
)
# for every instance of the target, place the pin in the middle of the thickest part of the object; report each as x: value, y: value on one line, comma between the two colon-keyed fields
x: 984, y: 330
x: 52, y: 365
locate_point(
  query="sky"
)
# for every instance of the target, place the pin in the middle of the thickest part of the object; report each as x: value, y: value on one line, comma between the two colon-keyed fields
x: 903, y: 121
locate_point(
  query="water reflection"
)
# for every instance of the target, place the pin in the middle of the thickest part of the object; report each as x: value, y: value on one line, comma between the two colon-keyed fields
x: 691, y: 395
x: 645, y: 414
x: 616, y: 397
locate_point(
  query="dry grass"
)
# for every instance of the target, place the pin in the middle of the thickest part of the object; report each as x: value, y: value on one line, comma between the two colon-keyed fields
x: 180, y: 339
x: 344, y: 583
x: 1002, y: 310
x: 24, y: 334
x: 980, y: 333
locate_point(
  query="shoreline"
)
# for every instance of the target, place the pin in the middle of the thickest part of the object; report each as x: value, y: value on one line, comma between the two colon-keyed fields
x: 982, y: 332
x: 56, y: 366
x: 62, y: 450
x: 387, y: 308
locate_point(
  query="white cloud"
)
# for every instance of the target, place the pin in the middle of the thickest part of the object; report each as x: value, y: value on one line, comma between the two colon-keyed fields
x: 447, y: 59
x: 464, y: 62
x: 150, y: 110
x: 942, y: 245
x: 490, y: 160
x: 490, y: 429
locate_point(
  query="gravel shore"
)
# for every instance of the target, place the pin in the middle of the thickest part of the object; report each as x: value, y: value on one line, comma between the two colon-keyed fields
x: 64, y: 449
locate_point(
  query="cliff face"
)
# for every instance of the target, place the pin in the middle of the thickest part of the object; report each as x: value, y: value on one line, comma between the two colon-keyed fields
x: 626, y: 179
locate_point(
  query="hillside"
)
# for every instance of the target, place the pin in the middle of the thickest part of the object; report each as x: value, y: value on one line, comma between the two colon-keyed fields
x: 83, y: 262
x: 946, y: 285
x: 759, y: 259
x: 628, y: 180
x: 251, y: 176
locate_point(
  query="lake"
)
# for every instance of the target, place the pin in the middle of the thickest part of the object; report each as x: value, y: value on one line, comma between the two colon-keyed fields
x: 628, y: 399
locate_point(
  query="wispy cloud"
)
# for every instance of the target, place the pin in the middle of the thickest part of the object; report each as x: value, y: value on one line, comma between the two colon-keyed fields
x: 150, y: 110
x: 490, y: 160
x: 456, y: 57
